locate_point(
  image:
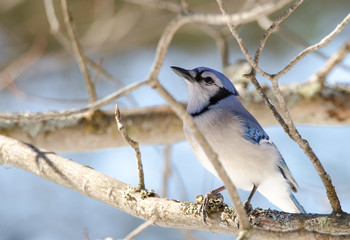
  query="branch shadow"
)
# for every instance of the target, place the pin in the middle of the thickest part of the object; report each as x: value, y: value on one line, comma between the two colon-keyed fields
x: 42, y: 156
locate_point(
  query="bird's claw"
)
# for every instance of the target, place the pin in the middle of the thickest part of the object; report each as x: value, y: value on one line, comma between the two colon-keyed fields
x: 210, y: 203
x: 248, y: 207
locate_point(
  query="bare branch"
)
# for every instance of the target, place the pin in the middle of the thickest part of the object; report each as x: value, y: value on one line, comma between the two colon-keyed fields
x: 221, y: 42
x: 167, y: 170
x: 295, y: 135
x: 134, y: 145
x: 273, y: 27
x: 212, y: 19
x: 184, y: 6
x: 333, y: 61
x: 111, y: 78
x: 154, y: 125
x: 111, y: 28
x: 51, y: 16
x: 324, y: 42
x: 141, y: 228
x: 68, y: 113
x: 160, y: 125
x: 166, y: 5
x: 266, y: 224
x: 78, y: 49
x: 238, y: 38
x: 255, y: 66
x: 54, y: 26
x: 17, y: 67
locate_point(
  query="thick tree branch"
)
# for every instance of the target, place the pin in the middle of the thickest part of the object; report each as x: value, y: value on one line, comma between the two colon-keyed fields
x: 266, y: 224
x: 156, y: 125
x: 160, y: 125
x: 74, y: 112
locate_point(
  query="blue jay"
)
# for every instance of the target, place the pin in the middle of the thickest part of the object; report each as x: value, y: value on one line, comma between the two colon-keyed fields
x: 249, y: 157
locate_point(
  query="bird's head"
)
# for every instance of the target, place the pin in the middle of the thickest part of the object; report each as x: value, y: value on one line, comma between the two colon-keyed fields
x: 205, y: 86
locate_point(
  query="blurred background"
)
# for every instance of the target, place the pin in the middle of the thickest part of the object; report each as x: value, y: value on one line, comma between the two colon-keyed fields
x: 39, y: 74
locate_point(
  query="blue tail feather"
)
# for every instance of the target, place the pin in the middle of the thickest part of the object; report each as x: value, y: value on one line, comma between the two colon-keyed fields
x: 297, y: 204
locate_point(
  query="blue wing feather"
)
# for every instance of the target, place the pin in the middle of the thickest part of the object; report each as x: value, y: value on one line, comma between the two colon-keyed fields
x: 254, y: 135
x: 252, y: 131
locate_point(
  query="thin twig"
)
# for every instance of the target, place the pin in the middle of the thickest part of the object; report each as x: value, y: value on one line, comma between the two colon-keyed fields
x: 111, y: 78
x: 239, y: 40
x: 55, y: 30
x: 333, y: 61
x: 98, y: 71
x: 221, y: 42
x: 134, y: 145
x: 268, y: 102
x: 78, y: 50
x: 166, y: 5
x: 21, y: 64
x: 55, y: 25
x: 255, y: 67
x: 111, y: 26
x: 273, y: 27
x: 289, y: 35
x: 16, y: 117
x: 86, y: 234
x: 324, y: 42
x: 212, y: 19
x: 51, y: 16
x: 141, y: 228
x: 188, y: 234
x: 184, y: 6
x: 304, y: 144
x: 167, y: 170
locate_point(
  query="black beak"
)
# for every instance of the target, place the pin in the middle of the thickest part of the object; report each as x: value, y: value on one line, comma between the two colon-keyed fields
x: 186, y: 74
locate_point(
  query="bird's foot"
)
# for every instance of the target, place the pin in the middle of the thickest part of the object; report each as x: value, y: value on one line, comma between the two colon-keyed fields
x: 210, y: 203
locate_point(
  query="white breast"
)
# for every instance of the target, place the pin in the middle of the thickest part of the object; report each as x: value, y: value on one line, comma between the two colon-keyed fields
x: 245, y: 162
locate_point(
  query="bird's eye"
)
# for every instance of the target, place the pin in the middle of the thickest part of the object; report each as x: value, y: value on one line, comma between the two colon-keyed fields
x: 208, y: 81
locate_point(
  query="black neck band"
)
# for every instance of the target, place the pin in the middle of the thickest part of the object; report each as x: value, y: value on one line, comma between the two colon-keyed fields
x: 221, y: 94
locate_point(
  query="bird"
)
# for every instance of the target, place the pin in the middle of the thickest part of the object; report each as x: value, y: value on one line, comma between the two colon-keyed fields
x: 250, y: 158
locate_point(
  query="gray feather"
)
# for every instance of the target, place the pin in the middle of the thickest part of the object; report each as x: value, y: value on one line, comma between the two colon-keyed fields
x: 282, y: 166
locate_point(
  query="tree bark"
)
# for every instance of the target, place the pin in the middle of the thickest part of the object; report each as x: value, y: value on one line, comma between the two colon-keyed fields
x: 160, y: 125
x: 267, y: 224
